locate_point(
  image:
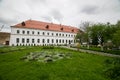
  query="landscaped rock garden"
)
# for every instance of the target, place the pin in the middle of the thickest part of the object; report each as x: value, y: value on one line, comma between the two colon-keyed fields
x: 45, y: 56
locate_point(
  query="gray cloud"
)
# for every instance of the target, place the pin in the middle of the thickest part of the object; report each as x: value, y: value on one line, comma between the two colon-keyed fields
x: 56, y: 15
x: 90, y: 9
x: 60, y: 11
x: 47, y: 18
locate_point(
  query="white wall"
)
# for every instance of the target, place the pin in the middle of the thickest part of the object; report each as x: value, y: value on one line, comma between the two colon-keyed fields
x: 40, y: 36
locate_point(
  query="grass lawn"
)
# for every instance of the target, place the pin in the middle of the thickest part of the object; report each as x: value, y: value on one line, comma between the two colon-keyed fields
x: 81, y: 66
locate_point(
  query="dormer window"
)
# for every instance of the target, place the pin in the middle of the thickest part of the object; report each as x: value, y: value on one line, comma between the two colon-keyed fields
x: 47, y: 26
x: 62, y: 29
x: 72, y: 30
x: 23, y: 23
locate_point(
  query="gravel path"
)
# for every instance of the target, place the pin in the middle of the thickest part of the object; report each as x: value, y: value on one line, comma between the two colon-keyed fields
x: 94, y: 52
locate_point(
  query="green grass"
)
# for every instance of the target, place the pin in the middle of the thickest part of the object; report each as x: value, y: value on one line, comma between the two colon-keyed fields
x: 81, y: 66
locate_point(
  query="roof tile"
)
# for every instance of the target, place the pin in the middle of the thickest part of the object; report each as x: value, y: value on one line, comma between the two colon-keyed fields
x: 50, y: 26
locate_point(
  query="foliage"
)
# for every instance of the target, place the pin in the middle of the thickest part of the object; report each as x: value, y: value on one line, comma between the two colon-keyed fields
x: 116, y: 38
x: 113, y: 72
x: 101, y: 34
x: 83, y: 36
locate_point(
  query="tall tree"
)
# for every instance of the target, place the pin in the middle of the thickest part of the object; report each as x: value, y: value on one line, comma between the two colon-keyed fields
x: 116, y: 38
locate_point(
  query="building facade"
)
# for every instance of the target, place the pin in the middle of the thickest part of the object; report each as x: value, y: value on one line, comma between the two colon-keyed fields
x: 4, y: 38
x: 33, y: 33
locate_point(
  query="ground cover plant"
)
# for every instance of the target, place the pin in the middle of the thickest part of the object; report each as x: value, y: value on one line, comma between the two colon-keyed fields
x: 79, y: 66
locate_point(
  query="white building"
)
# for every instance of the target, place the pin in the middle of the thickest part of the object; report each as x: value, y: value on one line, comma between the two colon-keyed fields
x: 33, y: 32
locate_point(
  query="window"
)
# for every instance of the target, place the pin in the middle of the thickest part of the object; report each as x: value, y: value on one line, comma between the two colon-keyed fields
x: 18, y: 31
x: 66, y: 41
x: 23, y: 40
x: 52, y: 40
x: 17, y: 40
x: 43, y: 40
x: 69, y: 41
x: 27, y: 40
x: 23, y: 32
x: 47, y: 33
x: 47, y: 40
x: 38, y: 40
x: 60, y: 41
x: 62, y: 34
x: 66, y: 35
x: 59, y: 34
x: 43, y: 33
x: 28, y: 32
x: 33, y: 40
x: 56, y: 40
x: 32, y: 32
x: 38, y: 33
x: 52, y: 34
x: 69, y: 35
x: 56, y: 34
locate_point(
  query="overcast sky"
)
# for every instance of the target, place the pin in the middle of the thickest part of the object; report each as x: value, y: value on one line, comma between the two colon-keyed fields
x: 67, y: 12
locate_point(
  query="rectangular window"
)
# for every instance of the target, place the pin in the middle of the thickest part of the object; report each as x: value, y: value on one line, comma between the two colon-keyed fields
x: 59, y: 34
x: 23, y: 40
x: 27, y: 40
x: 28, y: 32
x: 47, y: 40
x: 43, y: 40
x: 32, y: 32
x: 56, y: 40
x: 62, y: 34
x: 60, y: 41
x: 23, y: 32
x: 17, y: 40
x: 56, y: 34
x: 38, y: 33
x: 66, y: 35
x: 18, y: 31
x: 38, y: 40
x: 52, y: 40
x: 43, y: 33
x: 33, y: 40
x: 52, y: 34
x: 71, y: 35
x: 66, y: 41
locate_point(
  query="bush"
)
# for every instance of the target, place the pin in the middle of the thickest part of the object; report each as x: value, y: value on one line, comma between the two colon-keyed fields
x: 113, y: 72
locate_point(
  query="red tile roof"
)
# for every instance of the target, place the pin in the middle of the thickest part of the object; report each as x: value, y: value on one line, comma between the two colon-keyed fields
x: 46, y: 26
